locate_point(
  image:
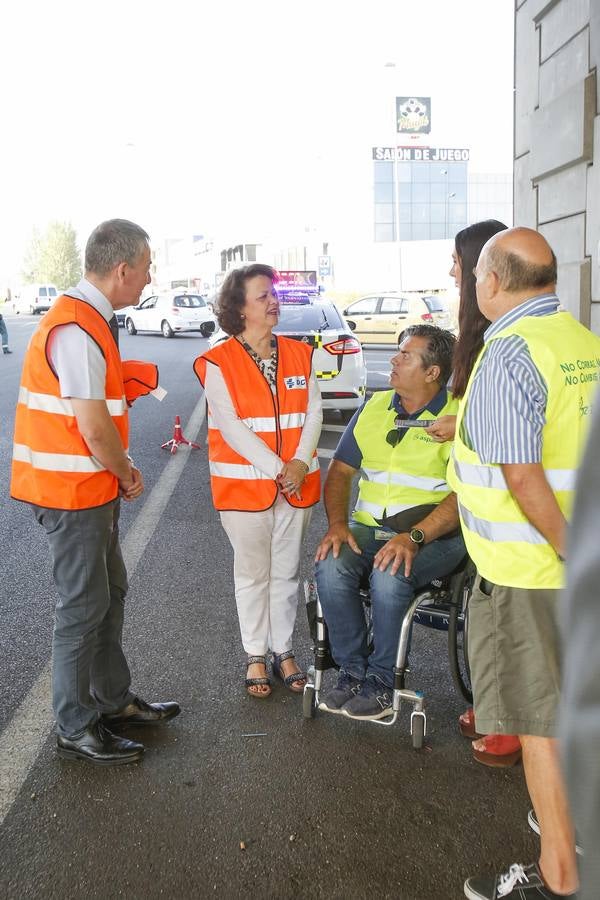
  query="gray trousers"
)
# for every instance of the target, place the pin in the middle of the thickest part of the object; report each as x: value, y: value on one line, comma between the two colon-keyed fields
x: 90, y: 674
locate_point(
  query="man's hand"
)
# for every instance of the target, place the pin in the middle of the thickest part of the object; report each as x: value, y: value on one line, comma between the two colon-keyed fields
x: 400, y: 549
x: 131, y: 489
x: 334, y: 539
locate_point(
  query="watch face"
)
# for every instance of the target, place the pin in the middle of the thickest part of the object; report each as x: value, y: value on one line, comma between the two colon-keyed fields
x: 417, y: 535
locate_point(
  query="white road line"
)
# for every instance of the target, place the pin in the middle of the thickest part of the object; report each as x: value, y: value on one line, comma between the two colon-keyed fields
x: 324, y: 453
x: 25, y: 734
x: 327, y: 427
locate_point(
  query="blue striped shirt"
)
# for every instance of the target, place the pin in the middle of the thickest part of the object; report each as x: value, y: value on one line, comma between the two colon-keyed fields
x: 506, y: 410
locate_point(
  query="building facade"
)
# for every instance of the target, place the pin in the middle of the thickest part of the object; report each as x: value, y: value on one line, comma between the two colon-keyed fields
x: 557, y: 141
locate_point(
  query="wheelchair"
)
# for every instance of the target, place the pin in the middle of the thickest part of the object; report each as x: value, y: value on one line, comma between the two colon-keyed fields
x: 442, y: 604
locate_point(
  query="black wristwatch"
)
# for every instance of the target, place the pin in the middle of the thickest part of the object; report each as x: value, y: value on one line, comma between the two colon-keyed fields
x: 417, y: 536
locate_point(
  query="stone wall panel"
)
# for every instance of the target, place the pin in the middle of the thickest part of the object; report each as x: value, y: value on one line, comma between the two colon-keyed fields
x: 560, y: 23
x: 562, y: 131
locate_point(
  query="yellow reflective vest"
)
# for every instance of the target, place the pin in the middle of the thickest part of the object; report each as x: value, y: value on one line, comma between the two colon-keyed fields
x: 397, y: 478
x: 506, y: 548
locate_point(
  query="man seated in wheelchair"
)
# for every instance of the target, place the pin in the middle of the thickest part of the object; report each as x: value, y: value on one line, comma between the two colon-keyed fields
x: 404, y: 529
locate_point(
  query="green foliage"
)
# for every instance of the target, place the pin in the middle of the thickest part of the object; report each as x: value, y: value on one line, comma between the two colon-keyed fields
x: 53, y: 256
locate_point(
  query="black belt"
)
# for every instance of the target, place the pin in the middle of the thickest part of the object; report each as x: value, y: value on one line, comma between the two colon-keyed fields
x: 486, y: 587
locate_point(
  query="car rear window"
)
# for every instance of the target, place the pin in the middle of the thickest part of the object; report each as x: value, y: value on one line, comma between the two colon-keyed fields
x: 188, y: 300
x: 42, y: 292
x: 52, y: 292
x: 435, y: 304
x: 308, y: 318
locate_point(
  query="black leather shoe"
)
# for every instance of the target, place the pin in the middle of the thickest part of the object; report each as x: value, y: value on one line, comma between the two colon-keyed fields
x: 138, y: 712
x: 97, y: 745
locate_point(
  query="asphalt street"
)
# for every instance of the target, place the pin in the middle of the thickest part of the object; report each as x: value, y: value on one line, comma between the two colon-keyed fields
x: 236, y: 797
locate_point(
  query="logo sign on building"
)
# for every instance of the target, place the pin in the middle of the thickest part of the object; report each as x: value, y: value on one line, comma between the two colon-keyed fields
x: 413, y: 115
x: 420, y: 154
x: 324, y: 266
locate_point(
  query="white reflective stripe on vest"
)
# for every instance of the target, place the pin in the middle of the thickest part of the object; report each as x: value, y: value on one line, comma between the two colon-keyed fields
x: 61, y: 405
x: 492, y: 477
x: 423, y: 484
x: 313, y: 465
x: 372, y: 508
x: 246, y: 472
x: 56, y: 462
x: 268, y: 423
x: 520, y: 532
x: 377, y: 511
x: 237, y: 471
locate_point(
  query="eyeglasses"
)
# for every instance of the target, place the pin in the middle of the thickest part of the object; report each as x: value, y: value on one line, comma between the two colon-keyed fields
x: 393, y: 436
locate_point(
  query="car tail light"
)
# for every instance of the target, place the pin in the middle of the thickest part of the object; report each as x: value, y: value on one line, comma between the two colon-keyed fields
x: 175, y: 310
x: 343, y: 346
x: 427, y: 317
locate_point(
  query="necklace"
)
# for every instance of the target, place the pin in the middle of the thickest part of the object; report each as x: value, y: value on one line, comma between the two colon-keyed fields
x: 267, y: 367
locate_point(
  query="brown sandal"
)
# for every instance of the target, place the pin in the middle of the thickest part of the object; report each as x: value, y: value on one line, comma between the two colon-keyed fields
x: 261, y: 695
x: 291, y: 681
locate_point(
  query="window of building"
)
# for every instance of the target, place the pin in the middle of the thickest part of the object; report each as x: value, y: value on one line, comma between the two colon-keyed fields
x: 384, y: 213
x: 383, y: 192
x: 385, y: 233
x: 383, y: 172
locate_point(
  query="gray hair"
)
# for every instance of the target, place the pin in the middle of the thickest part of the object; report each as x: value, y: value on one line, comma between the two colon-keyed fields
x: 515, y: 274
x: 114, y: 242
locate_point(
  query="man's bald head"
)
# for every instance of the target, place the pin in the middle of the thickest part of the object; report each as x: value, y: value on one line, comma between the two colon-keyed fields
x: 521, y: 258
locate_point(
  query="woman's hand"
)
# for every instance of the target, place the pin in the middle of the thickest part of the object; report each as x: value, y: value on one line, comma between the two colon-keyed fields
x: 292, y: 476
x: 442, y: 429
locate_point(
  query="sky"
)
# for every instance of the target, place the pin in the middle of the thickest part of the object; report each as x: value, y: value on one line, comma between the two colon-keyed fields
x: 232, y: 118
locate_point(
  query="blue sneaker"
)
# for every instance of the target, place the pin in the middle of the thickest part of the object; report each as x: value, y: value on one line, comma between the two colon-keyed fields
x: 373, y: 702
x: 346, y: 688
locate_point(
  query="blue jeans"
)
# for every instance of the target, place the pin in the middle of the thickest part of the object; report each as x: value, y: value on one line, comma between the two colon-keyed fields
x: 338, y: 582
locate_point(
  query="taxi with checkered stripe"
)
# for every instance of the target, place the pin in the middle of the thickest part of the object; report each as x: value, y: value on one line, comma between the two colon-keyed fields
x: 338, y: 357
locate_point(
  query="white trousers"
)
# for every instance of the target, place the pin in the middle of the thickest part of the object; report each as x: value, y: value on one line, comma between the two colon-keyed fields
x: 266, y: 547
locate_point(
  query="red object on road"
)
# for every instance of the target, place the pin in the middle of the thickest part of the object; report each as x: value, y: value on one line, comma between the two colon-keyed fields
x: 178, y: 439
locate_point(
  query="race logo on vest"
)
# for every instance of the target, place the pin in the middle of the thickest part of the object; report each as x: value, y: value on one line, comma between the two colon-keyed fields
x: 293, y: 382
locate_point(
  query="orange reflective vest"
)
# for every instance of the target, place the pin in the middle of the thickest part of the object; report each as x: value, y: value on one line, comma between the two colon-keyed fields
x: 277, y: 418
x: 52, y: 465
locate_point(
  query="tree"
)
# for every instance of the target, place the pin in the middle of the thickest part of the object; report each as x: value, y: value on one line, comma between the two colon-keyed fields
x: 53, y: 257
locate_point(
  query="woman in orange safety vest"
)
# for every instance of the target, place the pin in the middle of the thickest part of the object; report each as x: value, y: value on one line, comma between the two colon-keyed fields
x: 264, y: 422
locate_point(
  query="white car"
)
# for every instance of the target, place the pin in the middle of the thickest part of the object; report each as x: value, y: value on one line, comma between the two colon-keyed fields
x: 171, y: 314
x: 338, y: 357
x: 36, y: 299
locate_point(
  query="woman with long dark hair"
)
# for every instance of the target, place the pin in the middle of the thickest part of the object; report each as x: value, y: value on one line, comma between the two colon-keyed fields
x: 498, y: 750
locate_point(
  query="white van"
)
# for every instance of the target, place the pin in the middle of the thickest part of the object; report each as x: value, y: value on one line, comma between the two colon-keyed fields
x: 36, y: 298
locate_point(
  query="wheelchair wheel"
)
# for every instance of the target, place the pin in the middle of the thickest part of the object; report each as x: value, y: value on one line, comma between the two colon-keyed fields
x: 458, y: 630
x: 308, y: 702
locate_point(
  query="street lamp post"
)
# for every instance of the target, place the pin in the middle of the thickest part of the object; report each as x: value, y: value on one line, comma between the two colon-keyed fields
x: 390, y: 66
